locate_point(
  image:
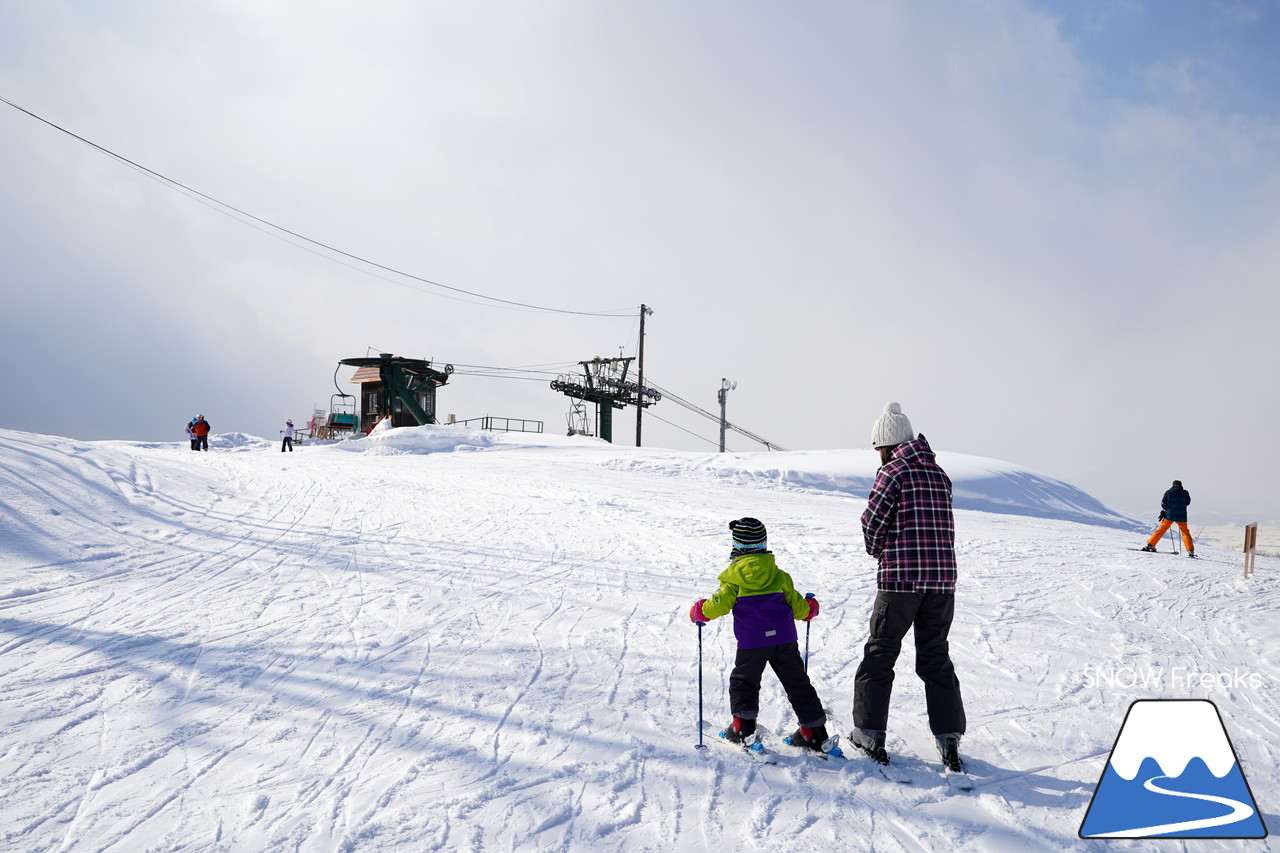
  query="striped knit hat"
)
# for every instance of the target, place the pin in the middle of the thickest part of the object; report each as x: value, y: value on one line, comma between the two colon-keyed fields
x: 748, y: 535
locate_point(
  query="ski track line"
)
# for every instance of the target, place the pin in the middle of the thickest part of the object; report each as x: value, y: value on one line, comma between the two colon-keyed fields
x: 121, y: 836
x: 414, y: 770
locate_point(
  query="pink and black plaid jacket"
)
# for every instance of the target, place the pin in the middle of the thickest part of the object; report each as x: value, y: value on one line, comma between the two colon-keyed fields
x: 908, y: 524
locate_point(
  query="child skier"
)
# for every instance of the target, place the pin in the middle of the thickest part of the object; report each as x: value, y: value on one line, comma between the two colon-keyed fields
x: 765, y: 608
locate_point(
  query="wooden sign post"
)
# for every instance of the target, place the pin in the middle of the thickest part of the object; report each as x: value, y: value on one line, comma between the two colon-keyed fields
x: 1250, y: 547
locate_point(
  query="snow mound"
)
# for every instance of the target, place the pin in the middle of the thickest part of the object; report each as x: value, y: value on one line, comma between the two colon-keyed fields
x: 416, y: 441
x: 238, y: 441
x: 446, y: 438
x: 985, y: 485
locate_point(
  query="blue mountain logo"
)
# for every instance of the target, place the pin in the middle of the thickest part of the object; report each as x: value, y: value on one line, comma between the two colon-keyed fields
x: 1173, y: 773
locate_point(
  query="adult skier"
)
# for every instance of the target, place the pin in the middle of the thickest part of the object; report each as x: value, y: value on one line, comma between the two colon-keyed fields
x: 201, y: 429
x: 288, y: 433
x: 909, y: 528
x: 1173, y: 510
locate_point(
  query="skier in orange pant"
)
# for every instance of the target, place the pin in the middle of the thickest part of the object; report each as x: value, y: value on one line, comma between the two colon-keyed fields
x: 1173, y: 510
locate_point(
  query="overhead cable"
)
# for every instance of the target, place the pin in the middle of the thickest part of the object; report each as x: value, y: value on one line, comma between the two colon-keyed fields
x: 177, y: 185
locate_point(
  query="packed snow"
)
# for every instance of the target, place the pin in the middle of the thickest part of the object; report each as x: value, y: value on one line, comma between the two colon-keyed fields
x: 442, y: 639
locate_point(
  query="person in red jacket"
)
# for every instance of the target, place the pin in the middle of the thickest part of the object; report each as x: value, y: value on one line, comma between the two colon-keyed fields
x: 201, y: 429
x: 909, y: 528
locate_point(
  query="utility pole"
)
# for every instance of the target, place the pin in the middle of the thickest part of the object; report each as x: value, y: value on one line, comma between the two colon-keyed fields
x: 725, y: 387
x: 644, y: 310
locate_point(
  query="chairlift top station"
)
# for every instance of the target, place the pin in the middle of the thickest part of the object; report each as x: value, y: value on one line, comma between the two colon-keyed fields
x: 404, y: 389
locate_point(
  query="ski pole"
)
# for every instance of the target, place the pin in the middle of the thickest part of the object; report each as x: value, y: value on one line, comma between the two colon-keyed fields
x: 700, y: 745
x: 808, y: 624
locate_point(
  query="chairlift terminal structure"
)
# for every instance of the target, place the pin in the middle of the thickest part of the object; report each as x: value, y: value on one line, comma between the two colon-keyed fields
x: 402, y: 388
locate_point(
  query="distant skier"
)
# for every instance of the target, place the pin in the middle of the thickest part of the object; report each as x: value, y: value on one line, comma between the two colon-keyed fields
x: 909, y: 528
x: 1173, y: 510
x: 765, y: 608
x: 191, y: 434
x: 201, y: 428
x: 288, y: 434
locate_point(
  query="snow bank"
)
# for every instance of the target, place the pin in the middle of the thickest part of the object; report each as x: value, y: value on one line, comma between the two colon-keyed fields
x: 984, y: 485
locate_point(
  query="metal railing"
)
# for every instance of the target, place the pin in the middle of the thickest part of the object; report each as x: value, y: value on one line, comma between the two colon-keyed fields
x: 503, y: 424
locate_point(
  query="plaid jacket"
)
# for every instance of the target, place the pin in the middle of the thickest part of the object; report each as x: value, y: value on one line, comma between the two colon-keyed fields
x: 908, y: 524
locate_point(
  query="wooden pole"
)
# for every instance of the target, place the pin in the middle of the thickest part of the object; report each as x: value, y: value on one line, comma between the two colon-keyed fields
x: 1250, y: 548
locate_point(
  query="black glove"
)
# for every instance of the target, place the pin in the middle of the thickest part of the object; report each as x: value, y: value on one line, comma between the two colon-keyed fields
x: 1162, y: 515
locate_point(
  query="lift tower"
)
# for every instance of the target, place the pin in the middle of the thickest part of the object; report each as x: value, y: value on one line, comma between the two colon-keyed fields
x: 604, y: 382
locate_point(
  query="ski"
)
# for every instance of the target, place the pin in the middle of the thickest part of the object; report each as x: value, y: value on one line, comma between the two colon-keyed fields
x: 831, y: 750
x: 952, y: 766
x: 752, y: 748
x: 957, y: 778
x: 888, y: 771
x: 892, y: 773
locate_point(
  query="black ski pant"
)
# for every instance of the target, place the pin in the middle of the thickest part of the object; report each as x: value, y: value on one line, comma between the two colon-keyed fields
x: 930, y: 613
x: 744, y: 683
x: 287, y: 444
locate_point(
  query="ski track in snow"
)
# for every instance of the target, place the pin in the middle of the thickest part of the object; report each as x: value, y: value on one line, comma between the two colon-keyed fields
x: 489, y: 649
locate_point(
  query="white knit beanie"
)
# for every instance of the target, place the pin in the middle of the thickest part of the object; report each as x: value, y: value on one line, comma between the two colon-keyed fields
x: 892, y: 428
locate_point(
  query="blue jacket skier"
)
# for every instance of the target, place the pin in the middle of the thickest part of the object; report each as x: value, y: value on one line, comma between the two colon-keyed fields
x: 1173, y: 510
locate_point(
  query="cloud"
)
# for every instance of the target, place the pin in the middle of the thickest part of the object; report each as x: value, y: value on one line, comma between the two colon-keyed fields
x: 836, y: 206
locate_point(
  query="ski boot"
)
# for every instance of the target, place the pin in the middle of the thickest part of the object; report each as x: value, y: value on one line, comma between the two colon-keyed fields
x: 816, y: 739
x: 741, y: 732
x: 949, y: 751
x: 1150, y: 548
x: 871, y: 742
x: 1191, y: 553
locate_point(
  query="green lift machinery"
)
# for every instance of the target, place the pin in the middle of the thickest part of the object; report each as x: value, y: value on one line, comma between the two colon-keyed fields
x: 604, y: 382
x: 412, y: 382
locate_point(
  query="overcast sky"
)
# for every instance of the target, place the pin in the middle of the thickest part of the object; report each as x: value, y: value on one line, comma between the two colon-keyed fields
x: 1051, y: 230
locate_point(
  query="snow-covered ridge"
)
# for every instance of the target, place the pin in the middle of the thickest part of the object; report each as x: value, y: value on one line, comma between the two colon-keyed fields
x: 985, y: 485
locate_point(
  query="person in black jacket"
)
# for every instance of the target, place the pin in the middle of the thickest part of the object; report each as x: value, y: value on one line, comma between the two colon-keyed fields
x: 1173, y: 510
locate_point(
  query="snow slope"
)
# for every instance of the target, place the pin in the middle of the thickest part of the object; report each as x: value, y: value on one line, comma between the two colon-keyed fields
x: 437, y: 639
